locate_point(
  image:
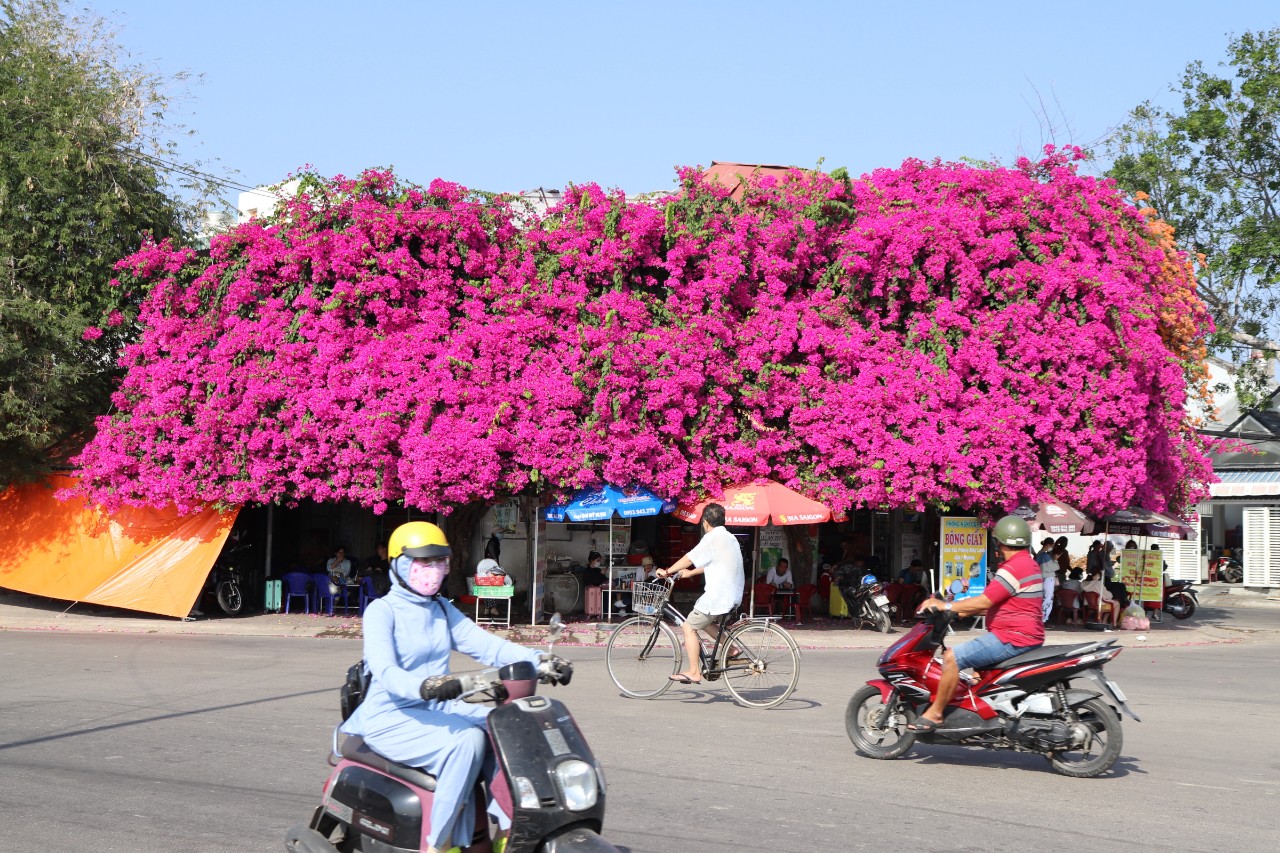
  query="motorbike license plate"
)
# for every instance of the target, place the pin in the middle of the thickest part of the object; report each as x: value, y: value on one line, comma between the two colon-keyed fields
x: 881, y: 600
x: 1115, y: 688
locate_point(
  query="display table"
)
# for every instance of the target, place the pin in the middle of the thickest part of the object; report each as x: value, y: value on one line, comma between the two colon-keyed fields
x: 488, y: 594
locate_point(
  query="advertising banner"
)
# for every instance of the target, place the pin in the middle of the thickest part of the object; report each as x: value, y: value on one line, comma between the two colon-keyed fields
x: 1142, y: 572
x: 963, y: 558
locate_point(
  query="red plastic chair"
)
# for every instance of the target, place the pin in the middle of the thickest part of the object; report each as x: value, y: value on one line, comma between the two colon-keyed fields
x: 1067, y: 600
x: 1095, y: 607
x: 764, y: 597
x: 803, y: 595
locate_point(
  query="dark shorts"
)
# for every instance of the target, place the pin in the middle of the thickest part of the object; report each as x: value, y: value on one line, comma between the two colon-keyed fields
x: 986, y: 651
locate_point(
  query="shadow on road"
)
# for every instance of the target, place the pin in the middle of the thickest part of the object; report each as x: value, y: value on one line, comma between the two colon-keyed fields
x: 176, y: 715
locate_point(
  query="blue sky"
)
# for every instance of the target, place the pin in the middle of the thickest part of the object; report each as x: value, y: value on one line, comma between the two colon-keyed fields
x: 512, y: 96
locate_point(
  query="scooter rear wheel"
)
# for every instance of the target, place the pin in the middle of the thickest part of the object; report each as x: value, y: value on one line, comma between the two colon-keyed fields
x: 876, y: 729
x: 303, y: 839
x: 1181, y: 605
x: 1103, y: 748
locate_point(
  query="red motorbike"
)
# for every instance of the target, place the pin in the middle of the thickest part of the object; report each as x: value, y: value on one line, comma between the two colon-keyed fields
x: 1026, y: 703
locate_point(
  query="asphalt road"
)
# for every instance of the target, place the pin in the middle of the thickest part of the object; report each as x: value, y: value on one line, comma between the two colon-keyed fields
x: 155, y: 743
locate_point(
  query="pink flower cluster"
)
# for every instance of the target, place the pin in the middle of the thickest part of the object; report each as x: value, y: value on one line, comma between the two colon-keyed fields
x: 931, y: 334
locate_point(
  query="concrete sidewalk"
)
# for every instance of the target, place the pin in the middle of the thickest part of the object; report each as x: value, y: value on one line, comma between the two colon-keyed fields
x: 22, y: 612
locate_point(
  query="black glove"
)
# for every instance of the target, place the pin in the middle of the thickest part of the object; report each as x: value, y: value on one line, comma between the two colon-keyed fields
x: 555, y: 671
x: 442, y: 687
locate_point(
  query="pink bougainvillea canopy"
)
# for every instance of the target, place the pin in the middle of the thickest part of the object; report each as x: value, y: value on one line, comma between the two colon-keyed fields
x: 935, y: 334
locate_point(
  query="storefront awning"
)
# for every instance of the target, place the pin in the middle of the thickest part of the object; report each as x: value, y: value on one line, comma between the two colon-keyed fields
x: 1246, y: 484
x: 152, y: 560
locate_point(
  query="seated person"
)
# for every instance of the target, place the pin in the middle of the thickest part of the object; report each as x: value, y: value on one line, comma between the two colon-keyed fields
x: 648, y: 573
x: 1073, y: 583
x: 377, y: 567
x: 594, y: 576
x: 338, y: 566
x: 780, y: 576
x: 911, y: 574
x: 623, y: 579
x: 1012, y: 602
x: 1094, y: 583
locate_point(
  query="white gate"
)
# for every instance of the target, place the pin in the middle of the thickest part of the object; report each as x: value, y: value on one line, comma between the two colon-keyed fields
x: 1183, y: 559
x: 1261, y: 546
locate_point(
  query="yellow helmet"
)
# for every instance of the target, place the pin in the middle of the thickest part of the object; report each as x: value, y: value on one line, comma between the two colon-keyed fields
x: 419, y: 540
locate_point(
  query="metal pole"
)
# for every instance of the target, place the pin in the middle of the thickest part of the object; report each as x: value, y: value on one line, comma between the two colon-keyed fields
x: 271, y: 513
x: 533, y: 568
x: 609, y: 547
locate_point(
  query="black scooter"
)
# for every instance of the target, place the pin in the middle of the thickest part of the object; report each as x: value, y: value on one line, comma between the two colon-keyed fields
x: 865, y: 597
x: 547, y: 776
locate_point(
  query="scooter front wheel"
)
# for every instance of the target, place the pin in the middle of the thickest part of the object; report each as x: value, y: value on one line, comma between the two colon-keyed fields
x: 229, y: 598
x: 876, y: 729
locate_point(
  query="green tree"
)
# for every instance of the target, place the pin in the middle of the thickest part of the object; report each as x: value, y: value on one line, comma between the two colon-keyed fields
x: 86, y: 161
x: 1212, y: 170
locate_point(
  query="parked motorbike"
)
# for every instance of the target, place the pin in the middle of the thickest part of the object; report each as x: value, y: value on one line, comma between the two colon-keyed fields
x: 1180, y: 599
x: 1228, y: 569
x: 546, y: 773
x: 225, y: 577
x: 1026, y: 704
x: 865, y: 598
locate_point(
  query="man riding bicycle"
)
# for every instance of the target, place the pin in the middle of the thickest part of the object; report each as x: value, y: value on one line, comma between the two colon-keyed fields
x: 719, y: 557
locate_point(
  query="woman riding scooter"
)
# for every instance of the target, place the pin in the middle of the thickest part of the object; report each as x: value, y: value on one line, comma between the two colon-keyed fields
x: 408, y: 715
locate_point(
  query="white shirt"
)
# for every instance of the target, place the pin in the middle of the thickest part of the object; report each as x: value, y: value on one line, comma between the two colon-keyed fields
x: 720, y: 558
x: 779, y: 580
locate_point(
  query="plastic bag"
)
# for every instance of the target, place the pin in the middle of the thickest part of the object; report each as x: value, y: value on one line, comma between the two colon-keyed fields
x: 1134, y: 618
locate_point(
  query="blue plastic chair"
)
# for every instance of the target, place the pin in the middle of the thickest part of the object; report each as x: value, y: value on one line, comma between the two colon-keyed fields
x: 321, y: 597
x: 368, y: 592
x: 295, y: 586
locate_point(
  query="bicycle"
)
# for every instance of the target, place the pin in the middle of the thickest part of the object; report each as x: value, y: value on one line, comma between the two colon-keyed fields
x: 645, y: 651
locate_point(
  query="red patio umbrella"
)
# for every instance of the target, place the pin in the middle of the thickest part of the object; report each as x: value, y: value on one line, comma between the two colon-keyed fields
x: 758, y: 504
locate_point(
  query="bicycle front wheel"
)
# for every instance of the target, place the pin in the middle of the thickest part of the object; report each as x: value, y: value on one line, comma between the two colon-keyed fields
x: 761, y: 664
x: 642, y: 655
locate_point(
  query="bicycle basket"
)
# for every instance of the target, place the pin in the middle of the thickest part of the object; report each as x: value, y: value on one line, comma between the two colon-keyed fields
x: 648, y: 598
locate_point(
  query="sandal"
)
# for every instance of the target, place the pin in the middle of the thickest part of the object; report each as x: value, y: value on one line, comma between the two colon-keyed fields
x: 681, y: 678
x: 923, y: 725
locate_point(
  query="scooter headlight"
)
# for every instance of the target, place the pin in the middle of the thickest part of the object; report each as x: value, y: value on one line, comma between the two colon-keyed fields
x: 578, y: 785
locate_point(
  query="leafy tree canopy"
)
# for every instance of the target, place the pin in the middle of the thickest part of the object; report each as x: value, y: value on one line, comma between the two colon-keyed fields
x: 1212, y: 170
x: 84, y: 154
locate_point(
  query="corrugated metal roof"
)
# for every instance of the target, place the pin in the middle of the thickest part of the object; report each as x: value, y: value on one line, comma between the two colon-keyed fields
x: 1239, y: 484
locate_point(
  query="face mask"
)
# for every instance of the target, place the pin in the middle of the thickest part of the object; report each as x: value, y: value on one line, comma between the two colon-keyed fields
x: 427, y: 576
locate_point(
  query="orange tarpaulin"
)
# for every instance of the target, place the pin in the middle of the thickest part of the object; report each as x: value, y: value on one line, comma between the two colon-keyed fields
x: 153, y: 560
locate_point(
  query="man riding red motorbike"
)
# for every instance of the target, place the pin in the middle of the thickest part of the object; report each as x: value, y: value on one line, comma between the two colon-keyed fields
x: 1012, y: 601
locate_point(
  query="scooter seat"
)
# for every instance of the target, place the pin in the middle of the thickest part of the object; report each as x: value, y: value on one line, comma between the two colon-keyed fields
x: 354, y: 748
x: 1042, y: 653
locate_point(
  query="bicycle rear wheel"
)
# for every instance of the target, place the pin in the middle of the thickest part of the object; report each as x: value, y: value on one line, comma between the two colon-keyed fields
x: 768, y: 669
x: 642, y: 655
